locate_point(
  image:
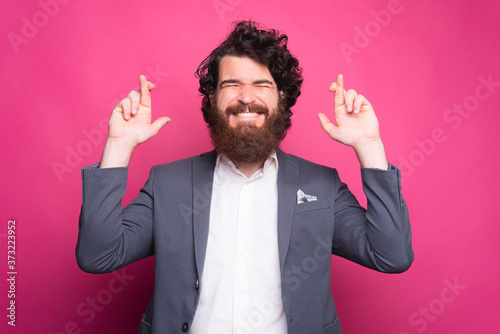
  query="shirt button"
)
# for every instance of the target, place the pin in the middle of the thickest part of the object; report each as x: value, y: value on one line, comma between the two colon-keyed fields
x: 185, y: 327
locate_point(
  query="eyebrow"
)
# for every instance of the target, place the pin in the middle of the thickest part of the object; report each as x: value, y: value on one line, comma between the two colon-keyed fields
x: 256, y: 82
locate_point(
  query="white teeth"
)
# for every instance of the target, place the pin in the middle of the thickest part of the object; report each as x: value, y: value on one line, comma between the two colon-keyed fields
x: 247, y: 114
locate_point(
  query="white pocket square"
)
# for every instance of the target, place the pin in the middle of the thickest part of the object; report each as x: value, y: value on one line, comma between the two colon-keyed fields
x: 302, y: 197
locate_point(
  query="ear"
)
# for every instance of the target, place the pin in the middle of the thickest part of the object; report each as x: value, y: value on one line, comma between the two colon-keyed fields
x: 213, y: 100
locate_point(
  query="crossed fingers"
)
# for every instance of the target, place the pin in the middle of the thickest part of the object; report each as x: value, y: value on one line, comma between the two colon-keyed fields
x: 131, y: 105
x: 346, y: 101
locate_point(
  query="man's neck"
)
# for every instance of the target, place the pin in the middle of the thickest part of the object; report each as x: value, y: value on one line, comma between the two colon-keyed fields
x: 248, y: 168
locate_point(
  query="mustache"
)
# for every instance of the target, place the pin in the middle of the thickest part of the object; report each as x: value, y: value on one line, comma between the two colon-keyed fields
x: 247, y: 108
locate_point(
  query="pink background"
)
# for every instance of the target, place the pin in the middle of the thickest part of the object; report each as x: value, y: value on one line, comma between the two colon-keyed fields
x: 64, y: 67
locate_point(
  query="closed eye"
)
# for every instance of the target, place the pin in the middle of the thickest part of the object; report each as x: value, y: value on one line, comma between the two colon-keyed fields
x: 236, y: 83
x: 229, y: 83
x: 263, y: 83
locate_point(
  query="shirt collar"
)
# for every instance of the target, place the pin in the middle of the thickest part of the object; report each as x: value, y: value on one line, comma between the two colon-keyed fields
x: 273, y: 158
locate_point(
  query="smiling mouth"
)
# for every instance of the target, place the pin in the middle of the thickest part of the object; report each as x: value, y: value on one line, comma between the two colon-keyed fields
x: 250, y: 111
x: 247, y: 114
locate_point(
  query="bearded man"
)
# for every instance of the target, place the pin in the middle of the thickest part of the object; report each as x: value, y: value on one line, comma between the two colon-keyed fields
x: 243, y: 235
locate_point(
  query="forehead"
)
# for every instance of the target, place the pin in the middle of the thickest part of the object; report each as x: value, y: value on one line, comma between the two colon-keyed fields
x: 243, y: 69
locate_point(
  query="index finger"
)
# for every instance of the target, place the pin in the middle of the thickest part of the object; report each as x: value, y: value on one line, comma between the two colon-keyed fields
x: 339, y: 99
x: 145, y: 98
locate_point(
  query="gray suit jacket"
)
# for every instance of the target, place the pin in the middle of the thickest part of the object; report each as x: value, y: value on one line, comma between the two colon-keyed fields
x: 170, y: 219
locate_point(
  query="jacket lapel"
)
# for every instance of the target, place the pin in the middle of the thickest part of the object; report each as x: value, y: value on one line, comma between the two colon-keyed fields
x: 288, y: 178
x: 203, y: 175
x: 203, y: 172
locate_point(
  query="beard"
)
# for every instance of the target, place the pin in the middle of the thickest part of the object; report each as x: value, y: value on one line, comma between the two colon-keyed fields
x: 247, y: 142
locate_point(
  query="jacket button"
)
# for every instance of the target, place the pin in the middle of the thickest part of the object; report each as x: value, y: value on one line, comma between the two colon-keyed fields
x: 185, y: 327
x: 197, y: 284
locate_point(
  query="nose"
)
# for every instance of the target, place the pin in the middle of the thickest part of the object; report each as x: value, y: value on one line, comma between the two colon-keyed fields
x: 246, y: 95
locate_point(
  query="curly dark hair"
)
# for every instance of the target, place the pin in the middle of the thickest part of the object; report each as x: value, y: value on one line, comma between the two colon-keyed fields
x: 267, y: 47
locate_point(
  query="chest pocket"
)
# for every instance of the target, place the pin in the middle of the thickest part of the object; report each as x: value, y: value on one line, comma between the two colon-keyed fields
x: 319, y: 204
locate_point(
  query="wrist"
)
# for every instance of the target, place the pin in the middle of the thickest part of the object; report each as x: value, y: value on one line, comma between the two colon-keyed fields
x: 117, y: 153
x: 371, y: 154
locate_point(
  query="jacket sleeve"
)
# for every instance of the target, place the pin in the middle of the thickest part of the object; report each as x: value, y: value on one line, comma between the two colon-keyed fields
x: 379, y: 237
x: 110, y: 237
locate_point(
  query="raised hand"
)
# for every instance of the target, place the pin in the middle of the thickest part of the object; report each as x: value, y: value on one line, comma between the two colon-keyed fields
x: 356, y: 125
x: 131, y: 117
x: 354, y: 117
x: 130, y: 125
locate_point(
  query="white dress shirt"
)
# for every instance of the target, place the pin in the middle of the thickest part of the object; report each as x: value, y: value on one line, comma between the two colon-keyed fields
x: 241, y: 284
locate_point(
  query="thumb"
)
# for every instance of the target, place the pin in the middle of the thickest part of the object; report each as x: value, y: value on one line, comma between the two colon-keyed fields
x: 160, y: 123
x: 327, y: 126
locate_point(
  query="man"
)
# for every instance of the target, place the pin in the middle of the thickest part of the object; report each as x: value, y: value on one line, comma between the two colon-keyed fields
x: 242, y: 235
